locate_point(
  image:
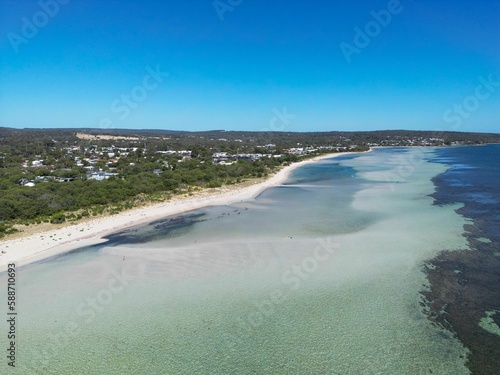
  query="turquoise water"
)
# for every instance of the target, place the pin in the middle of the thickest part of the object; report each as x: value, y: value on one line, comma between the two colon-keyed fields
x: 319, y: 276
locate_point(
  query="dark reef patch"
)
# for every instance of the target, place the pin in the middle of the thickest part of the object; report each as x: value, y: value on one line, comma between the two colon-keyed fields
x: 466, y: 284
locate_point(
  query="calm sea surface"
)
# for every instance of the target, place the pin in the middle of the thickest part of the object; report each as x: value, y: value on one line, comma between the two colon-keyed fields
x: 325, y: 274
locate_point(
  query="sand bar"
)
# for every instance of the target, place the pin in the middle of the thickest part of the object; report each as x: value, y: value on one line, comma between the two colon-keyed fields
x: 45, y: 244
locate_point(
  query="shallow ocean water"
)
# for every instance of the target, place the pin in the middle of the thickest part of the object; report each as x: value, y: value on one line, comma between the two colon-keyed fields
x: 319, y: 276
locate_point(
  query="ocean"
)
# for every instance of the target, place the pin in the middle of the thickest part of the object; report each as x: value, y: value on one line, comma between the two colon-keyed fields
x: 384, y: 262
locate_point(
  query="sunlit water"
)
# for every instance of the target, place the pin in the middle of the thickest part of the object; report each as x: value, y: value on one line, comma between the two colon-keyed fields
x: 319, y: 276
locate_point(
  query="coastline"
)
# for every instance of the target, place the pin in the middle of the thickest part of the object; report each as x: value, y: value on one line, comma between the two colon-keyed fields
x: 45, y: 244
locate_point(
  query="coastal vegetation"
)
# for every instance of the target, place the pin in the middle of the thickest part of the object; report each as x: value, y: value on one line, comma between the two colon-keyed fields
x: 58, y: 175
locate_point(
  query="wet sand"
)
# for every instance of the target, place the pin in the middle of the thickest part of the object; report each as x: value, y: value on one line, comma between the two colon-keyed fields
x: 45, y: 244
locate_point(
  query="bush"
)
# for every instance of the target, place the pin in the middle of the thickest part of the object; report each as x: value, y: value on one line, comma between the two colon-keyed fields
x: 6, y: 229
x: 57, y: 219
x: 214, y: 184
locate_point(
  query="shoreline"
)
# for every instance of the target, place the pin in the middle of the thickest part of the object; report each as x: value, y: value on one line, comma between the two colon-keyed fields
x: 45, y: 244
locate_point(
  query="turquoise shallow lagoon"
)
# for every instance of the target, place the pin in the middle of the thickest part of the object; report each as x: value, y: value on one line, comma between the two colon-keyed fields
x: 319, y: 276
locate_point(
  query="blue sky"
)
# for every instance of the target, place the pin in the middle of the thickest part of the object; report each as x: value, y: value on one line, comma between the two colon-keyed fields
x: 237, y: 65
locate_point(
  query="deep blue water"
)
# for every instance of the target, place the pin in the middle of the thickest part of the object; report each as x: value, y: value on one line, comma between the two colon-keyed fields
x: 357, y: 313
x: 465, y: 286
x: 473, y: 178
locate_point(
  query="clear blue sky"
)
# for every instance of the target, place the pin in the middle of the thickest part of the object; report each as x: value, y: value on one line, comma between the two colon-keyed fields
x: 235, y: 69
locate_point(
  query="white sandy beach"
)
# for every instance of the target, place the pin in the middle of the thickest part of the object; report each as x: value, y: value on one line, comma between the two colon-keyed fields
x: 240, y: 286
x: 39, y: 246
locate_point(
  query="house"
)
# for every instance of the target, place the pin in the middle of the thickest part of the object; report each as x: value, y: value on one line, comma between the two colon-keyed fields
x: 65, y: 179
x: 45, y: 178
x: 100, y: 176
x: 218, y: 157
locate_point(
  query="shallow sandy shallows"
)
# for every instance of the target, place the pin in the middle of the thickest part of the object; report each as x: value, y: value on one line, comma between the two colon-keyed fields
x: 49, y: 243
x: 236, y: 295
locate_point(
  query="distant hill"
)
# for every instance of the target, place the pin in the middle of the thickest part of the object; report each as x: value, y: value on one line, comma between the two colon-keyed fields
x: 356, y: 137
